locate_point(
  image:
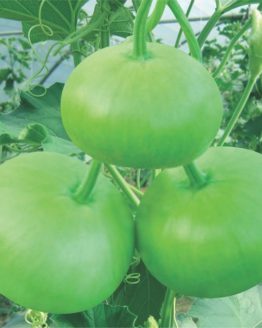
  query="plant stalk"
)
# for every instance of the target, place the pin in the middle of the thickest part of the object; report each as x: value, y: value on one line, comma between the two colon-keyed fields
x: 155, y: 17
x: 140, y: 32
x: 239, y: 108
x: 230, y: 48
x: 75, y: 47
x: 86, y: 187
x: 180, y: 30
x: 197, y: 178
x: 167, y: 311
x: 123, y: 184
x: 187, y: 29
x: 209, y: 26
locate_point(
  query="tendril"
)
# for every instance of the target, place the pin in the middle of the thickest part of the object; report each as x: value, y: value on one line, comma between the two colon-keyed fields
x: 133, y: 278
x: 45, y: 28
x: 135, y: 261
x: 36, y: 319
x: 32, y: 87
x: 28, y: 85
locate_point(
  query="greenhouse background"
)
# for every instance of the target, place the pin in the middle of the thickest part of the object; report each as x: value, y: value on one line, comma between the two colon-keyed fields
x: 166, y: 32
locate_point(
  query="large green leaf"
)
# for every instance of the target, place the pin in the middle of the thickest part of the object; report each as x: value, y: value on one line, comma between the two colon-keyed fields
x: 37, y: 122
x: 103, y: 315
x: 121, y: 22
x: 41, y: 109
x: 239, y: 311
x: 57, y: 18
x: 144, y: 298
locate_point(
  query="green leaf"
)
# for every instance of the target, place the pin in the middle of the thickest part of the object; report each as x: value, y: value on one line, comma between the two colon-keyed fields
x: 4, y: 72
x: 6, y: 139
x: 121, y: 22
x: 33, y: 133
x: 38, y: 121
x: 67, y: 320
x: 144, y: 299
x: 57, y: 18
x: 59, y: 145
x: 243, y: 310
x: 103, y: 315
x: 44, y: 110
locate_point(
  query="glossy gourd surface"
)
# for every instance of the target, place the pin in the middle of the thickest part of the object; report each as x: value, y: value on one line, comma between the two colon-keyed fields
x: 163, y: 111
x: 205, y: 242
x: 59, y: 255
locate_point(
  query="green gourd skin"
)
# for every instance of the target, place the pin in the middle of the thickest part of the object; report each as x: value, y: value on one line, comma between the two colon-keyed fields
x: 205, y: 242
x: 160, y: 112
x: 59, y: 255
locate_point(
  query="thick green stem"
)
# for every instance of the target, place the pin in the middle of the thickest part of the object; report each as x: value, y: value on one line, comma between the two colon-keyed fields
x: 187, y: 29
x: 155, y: 17
x: 239, y: 108
x: 86, y: 187
x: 180, y: 30
x: 105, y: 37
x: 140, y: 32
x: 208, y: 27
x: 104, y: 33
x: 230, y: 48
x: 76, y: 53
x: 167, y: 311
x: 196, y: 177
x: 123, y: 184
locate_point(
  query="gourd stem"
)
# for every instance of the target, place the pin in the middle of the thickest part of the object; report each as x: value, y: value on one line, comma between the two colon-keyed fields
x: 155, y: 17
x: 239, y: 108
x: 187, y: 29
x: 86, y: 187
x: 167, y: 311
x: 123, y: 184
x: 209, y: 27
x: 140, y: 32
x: 196, y: 177
x: 230, y: 48
x: 180, y: 30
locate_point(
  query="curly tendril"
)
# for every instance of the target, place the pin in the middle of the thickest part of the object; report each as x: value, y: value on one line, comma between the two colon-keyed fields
x: 133, y: 278
x: 45, y: 28
x: 29, y: 85
x: 135, y: 261
x: 36, y: 319
x: 40, y: 94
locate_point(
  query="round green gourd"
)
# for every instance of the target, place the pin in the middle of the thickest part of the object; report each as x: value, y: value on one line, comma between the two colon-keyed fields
x: 58, y: 255
x: 162, y: 111
x: 205, y: 242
